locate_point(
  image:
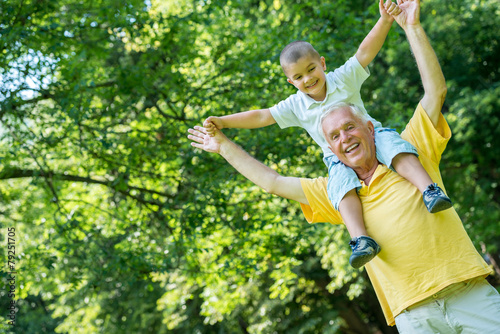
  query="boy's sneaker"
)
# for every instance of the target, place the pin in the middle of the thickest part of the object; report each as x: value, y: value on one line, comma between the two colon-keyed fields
x: 363, y: 250
x: 435, y: 200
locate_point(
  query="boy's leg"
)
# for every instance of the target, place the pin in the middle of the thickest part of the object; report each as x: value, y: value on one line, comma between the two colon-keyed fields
x: 402, y: 156
x: 364, y: 248
x: 408, y: 166
x: 341, y: 188
x: 352, y: 213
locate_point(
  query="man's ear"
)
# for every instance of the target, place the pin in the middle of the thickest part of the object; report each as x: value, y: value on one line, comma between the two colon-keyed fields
x: 371, y: 127
x: 323, y: 63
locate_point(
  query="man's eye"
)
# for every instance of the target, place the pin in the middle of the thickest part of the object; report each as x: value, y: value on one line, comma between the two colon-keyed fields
x: 299, y: 77
x: 312, y: 69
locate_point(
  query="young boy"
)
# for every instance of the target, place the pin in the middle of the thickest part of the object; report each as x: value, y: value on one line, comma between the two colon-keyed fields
x: 304, y: 69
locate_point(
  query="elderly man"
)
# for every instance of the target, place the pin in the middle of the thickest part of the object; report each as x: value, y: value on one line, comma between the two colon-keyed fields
x: 428, y: 277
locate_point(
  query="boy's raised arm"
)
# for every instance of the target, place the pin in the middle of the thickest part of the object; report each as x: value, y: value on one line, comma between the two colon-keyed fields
x: 260, y: 174
x: 251, y: 119
x: 371, y: 45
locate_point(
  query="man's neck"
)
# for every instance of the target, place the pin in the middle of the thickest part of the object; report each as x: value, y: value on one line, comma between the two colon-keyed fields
x: 367, y: 174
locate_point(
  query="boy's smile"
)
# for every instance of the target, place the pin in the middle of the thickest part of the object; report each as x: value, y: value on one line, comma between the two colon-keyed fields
x: 308, y: 76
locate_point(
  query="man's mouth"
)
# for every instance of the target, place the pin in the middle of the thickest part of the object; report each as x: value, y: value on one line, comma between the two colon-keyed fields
x: 352, y: 147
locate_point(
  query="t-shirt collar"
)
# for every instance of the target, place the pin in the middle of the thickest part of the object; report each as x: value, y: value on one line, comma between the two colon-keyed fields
x: 379, y: 172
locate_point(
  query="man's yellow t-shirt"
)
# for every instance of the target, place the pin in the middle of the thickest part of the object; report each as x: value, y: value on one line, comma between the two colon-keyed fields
x: 422, y: 253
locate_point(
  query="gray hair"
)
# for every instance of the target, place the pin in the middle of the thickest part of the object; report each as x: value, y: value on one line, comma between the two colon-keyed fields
x: 356, y: 111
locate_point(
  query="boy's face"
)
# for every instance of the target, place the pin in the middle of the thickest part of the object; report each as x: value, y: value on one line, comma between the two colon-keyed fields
x: 308, y: 76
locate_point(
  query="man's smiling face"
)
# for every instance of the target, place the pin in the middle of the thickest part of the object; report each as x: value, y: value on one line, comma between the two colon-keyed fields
x: 351, y: 139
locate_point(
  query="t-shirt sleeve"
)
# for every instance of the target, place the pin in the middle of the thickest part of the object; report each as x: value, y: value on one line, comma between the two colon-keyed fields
x: 283, y: 113
x: 352, y: 74
x: 320, y: 209
x: 429, y: 140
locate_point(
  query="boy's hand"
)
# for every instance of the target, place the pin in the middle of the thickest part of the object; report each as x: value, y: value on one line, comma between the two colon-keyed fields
x: 212, y: 124
x: 209, y: 143
x: 388, y: 10
x: 410, y: 13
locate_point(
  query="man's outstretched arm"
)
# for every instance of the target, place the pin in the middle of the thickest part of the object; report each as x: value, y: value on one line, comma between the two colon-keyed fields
x: 260, y: 174
x: 428, y: 65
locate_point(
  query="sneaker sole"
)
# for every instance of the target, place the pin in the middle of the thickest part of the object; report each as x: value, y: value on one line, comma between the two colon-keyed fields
x: 358, y: 263
x: 361, y: 261
x: 440, y: 206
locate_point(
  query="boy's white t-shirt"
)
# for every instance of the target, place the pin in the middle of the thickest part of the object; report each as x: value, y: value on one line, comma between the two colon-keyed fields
x: 342, y: 85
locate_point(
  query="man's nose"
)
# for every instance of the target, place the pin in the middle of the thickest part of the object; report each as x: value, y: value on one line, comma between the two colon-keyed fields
x: 344, y: 136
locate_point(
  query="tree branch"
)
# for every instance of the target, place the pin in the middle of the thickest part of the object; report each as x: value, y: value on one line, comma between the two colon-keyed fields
x: 15, y: 173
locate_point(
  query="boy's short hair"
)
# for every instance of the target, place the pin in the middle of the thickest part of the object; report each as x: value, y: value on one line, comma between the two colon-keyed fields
x: 296, y: 50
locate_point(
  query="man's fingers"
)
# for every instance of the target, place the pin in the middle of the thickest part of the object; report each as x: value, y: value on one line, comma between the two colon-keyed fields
x: 208, y: 131
x: 201, y: 129
x: 196, y: 135
x: 394, y: 10
x: 196, y: 139
x: 197, y: 145
x: 193, y: 132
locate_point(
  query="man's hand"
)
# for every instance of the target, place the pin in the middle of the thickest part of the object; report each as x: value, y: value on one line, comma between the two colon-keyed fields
x: 212, y: 124
x: 410, y: 13
x: 260, y: 174
x: 201, y: 139
x: 428, y: 65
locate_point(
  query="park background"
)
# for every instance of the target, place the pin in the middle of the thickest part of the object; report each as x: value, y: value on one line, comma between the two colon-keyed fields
x: 123, y: 227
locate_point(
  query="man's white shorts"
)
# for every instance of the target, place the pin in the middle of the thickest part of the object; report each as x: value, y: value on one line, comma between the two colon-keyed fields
x: 468, y: 307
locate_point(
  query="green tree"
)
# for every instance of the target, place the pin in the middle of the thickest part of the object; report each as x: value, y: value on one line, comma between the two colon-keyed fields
x: 123, y: 227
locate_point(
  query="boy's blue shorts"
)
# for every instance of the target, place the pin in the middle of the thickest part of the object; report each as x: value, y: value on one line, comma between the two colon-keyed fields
x: 342, y: 179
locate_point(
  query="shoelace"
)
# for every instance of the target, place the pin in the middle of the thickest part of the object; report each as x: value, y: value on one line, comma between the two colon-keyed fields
x: 432, y: 190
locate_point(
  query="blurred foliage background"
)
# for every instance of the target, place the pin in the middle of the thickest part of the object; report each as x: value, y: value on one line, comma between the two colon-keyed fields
x: 121, y: 227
